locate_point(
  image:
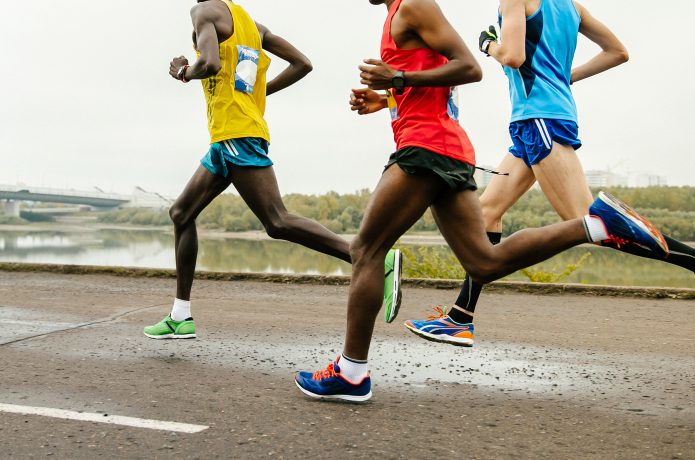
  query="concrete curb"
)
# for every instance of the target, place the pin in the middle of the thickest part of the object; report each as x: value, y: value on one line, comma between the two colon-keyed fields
x: 499, y: 286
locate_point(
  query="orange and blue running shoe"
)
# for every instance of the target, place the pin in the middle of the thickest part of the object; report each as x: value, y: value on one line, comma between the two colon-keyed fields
x: 329, y: 384
x: 625, y: 226
x: 439, y: 327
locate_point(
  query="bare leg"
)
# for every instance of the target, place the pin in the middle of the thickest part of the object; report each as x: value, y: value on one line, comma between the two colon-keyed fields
x: 259, y: 189
x: 562, y: 180
x: 461, y: 222
x: 504, y: 191
x: 496, y: 200
x: 201, y: 189
x: 398, y: 202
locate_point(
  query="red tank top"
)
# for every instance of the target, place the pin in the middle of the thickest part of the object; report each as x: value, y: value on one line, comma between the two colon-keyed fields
x: 423, y: 117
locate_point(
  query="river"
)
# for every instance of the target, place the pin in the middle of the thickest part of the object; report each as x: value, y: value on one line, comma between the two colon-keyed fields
x: 154, y: 249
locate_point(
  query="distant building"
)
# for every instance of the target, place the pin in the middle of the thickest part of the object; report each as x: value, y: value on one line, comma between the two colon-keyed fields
x: 141, y: 198
x: 598, y: 179
x: 647, y: 180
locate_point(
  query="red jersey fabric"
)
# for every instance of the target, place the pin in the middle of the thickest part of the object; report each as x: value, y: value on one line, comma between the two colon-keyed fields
x: 423, y: 117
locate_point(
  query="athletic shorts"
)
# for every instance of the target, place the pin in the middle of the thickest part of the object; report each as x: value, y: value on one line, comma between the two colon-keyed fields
x: 245, y: 152
x: 456, y: 174
x: 533, y: 139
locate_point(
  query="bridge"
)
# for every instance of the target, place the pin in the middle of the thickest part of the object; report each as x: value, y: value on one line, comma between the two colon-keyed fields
x: 11, y: 195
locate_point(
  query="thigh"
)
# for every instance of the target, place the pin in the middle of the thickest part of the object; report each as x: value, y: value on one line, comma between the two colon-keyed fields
x: 259, y: 189
x: 460, y: 220
x: 504, y: 191
x: 397, y: 203
x: 563, y: 182
x: 202, y: 188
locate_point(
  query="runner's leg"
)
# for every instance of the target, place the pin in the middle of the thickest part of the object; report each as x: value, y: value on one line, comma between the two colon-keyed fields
x: 498, y: 197
x: 460, y: 220
x: 562, y: 180
x: 386, y: 218
x: 504, y: 191
x: 259, y: 189
x: 201, y: 189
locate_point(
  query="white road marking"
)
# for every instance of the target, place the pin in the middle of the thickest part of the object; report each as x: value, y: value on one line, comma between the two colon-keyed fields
x: 103, y: 418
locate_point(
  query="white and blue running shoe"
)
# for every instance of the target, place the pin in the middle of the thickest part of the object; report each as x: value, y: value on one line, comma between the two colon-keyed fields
x: 440, y: 328
x: 330, y: 384
x: 625, y: 226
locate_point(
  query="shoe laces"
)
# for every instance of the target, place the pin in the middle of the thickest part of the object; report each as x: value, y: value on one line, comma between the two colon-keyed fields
x: 326, y: 373
x: 441, y: 312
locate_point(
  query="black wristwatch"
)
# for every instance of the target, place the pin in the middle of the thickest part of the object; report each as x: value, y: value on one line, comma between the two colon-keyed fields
x: 398, y: 82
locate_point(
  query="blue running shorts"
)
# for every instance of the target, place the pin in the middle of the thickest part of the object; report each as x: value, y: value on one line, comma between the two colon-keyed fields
x: 533, y: 139
x: 245, y: 152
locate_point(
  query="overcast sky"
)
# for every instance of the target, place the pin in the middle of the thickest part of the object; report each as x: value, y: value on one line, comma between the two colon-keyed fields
x: 86, y: 99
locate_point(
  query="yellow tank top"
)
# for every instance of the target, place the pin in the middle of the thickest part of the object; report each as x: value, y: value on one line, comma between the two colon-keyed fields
x: 236, y: 95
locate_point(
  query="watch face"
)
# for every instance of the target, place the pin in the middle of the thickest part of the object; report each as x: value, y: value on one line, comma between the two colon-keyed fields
x: 398, y: 81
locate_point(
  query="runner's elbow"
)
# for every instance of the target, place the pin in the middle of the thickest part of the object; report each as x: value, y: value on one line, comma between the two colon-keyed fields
x: 305, y: 66
x: 512, y: 61
x: 622, y: 56
x: 472, y: 73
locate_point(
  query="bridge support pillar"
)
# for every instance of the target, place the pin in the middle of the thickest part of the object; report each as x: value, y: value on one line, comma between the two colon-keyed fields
x: 11, y: 208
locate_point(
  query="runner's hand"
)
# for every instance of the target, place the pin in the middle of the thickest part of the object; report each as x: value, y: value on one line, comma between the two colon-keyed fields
x: 487, y: 37
x: 175, y: 65
x: 366, y: 101
x: 376, y: 74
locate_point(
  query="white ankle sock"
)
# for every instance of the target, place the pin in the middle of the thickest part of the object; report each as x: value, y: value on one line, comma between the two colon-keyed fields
x: 351, y: 370
x: 595, y: 229
x: 181, y: 310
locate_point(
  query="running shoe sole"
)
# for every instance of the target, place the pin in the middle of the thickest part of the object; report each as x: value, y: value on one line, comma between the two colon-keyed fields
x: 357, y: 399
x: 635, y: 217
x: 171, y: 336
x: 441, y: 338
x: 397, y: 296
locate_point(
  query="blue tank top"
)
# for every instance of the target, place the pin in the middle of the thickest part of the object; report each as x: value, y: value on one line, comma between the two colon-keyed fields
x: 541, y: 87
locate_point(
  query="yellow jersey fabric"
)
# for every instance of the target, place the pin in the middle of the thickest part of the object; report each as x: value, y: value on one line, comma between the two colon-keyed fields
x: 236, y: 95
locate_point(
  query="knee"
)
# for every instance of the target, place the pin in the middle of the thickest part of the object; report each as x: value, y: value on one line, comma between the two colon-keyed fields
x: 362, y: 252
x: 483, y: 272
x: 277, y: 227
x: 178, y: 216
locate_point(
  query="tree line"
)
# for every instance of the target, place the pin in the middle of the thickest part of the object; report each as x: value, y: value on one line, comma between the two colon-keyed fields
x: 672, y: 209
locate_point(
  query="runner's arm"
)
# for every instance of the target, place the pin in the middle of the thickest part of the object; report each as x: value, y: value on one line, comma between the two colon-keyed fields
x: 208, y: 64
x: 427, y: 21
x: 299, y: 67
x: 511, y: 52
x: 613, y: 52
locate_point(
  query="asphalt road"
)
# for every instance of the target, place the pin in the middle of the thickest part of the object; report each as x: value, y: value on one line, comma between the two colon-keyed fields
x: 558, y: 377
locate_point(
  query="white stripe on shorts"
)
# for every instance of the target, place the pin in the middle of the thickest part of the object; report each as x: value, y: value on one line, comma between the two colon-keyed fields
x: 231, y: 144
x: 542, y: 133
x: 547, y: 133
x: 226, y: 145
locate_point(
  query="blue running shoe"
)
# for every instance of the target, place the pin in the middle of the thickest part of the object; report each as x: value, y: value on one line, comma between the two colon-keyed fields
x: 329, y: 384
x: 440, y: 328
x: 625, y: 226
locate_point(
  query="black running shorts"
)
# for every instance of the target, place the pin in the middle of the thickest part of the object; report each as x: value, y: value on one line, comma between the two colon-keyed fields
x: 457, y: 175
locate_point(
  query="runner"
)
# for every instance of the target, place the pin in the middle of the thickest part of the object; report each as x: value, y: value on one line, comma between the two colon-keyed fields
x: 540, y: 37
x: 423, y: 58
x: 232, y: 65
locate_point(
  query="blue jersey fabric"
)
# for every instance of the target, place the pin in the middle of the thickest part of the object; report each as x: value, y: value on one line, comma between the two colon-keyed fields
x: 541, y: 87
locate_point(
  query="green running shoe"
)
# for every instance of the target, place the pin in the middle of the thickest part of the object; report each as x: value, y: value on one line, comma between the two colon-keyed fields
x: 170, y: 329
x: 392, y: 284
